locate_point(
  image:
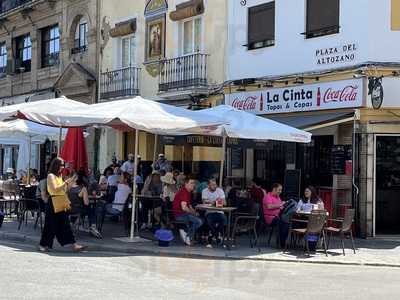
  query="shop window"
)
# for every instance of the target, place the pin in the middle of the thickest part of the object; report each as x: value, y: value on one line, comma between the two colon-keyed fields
x: 191, y: 36
x: 261, y: 26
x: 81, y: 37
x: 128, y: 46
x: 322, y: 18
x: 23, y: 53
x: 50, y: 46
x: 3, y: 58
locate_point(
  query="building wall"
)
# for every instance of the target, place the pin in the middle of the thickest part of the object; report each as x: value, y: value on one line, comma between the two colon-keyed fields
x: 293, y: 53
x: 214, y: 40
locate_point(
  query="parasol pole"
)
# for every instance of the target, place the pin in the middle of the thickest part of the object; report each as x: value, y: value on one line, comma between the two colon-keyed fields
x: 28, y: 180
x: 221, y: 171
x: 134, y: 185
x: 183, y: 159
x: 59, y: 142
x: 155, y: 149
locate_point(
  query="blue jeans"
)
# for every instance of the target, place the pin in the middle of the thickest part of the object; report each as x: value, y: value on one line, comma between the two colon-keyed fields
x: 193, y: 222
x: 216, y: 222
x: 111, y: 210
x: 283, y: 230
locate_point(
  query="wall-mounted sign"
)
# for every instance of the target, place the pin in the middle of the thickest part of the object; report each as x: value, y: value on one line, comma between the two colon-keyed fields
x: 336, y: 55
x: 320, y: 96
x: 376, y: 91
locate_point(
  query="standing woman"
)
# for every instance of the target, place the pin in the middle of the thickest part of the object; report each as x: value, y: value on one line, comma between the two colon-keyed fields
x: 57, y: 223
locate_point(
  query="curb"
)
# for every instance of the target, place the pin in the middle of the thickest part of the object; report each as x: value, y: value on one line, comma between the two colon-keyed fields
x: 20, y: 238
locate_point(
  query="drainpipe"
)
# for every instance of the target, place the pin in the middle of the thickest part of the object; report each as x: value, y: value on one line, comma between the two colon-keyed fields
x: 355, y: 158
x: 97, y: 131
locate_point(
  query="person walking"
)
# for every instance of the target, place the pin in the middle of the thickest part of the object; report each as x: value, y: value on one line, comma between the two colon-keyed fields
x: 56, y: 220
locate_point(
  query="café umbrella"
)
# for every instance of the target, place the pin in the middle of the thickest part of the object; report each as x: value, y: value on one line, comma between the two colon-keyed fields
x: 25, y: 133
x: 56, y: 105
x: 74, y: 151
x: 135, y: 113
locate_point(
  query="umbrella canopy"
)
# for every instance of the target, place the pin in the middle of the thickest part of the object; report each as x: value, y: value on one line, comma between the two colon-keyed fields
x: 74, y: 150
x: 244, y: 125
x: 56, y: 105
x: 25, y: 130
x: 136, y: 113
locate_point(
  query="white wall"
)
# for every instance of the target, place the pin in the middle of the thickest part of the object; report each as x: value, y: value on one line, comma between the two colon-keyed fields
x: 365, y: 23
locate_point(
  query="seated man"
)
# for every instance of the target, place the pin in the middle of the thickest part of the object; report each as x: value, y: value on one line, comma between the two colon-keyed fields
x: 215, y: 220
x: 184, y: 212
x: 122, y: 194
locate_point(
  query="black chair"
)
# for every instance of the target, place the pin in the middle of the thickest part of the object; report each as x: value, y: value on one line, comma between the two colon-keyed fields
x: 247, y: 223
x: 123, y: 213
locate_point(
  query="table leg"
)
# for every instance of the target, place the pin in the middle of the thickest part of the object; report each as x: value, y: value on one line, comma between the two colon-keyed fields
x: 229, y: 243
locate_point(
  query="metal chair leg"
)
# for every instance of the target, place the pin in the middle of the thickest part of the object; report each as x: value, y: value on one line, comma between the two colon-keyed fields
x: 352, y: 242
x: 342, y: 242
x: 324, y: 242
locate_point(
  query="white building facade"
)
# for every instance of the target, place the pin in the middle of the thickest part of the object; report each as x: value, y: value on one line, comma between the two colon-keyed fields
x: 331, y: 67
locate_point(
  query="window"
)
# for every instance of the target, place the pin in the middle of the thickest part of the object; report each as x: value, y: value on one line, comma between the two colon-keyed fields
x: 128, y: 51
x: 322, y: 18
x: 50, y: 46
x: 23, y: 53
x: 81, y: 37
x: 261, y: 26
x: 192, y: 36
x: 3, y: 58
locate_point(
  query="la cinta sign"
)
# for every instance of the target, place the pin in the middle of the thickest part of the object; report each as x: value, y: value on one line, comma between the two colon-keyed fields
x: 320, y: 96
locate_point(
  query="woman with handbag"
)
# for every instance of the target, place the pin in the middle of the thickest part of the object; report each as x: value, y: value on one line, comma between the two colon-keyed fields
x: 56, y: 221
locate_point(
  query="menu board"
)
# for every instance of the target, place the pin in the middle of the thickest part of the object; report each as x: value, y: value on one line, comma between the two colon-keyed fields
x: 338, y: 160
x: 237, y: 158
x: 292, y: 184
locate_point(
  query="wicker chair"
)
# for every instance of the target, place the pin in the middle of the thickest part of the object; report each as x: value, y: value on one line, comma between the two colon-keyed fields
x: 315, y: 226
x: 345, y: 229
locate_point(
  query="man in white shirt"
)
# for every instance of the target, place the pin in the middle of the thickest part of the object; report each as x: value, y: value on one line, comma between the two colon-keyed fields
x: 121, y: 196
x: 129, y: 165
x: 215, y: 220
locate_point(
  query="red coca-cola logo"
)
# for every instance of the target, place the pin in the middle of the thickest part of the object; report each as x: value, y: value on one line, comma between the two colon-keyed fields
x: 348, y: 93
x: 249, y: 103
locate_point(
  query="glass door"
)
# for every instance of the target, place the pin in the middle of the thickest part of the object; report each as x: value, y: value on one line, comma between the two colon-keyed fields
x: 387, y: 201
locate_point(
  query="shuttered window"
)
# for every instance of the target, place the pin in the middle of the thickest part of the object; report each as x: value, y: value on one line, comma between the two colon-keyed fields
x: 261, y: 26
x: 322, y: 17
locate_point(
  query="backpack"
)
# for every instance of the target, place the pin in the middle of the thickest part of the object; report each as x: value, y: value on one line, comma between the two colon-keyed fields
x: 287, y: 211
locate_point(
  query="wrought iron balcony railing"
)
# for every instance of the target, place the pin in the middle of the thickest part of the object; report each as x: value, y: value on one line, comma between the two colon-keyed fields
x: 120, y: 83
x: 185, y: 72
x: 8, y: 5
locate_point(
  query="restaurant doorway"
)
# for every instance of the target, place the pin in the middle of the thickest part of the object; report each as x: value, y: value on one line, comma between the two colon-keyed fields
x: 387, y: 201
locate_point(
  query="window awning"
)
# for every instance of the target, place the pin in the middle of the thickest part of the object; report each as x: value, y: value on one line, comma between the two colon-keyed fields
x: 313, y: 122
x: 187, y: 9
x: 123, y: 28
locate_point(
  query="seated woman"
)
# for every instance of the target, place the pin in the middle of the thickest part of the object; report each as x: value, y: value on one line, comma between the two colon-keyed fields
x: 169, y: 192
x: 272, y: 207
x: 121, y: 196
x: 103, y: 182
x: 78, y: 195
x: 310, y: 199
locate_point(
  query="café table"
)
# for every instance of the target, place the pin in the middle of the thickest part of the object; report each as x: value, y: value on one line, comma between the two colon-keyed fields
x: 227, y: 210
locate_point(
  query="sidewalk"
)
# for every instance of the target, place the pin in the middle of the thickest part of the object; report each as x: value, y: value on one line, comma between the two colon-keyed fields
x: 371, y: 252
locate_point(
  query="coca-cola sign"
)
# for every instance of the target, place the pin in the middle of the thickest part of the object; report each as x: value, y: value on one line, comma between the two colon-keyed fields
x: 320, y: 96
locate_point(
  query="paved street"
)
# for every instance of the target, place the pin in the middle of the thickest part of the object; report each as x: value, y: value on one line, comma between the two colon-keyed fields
x: 27, y: 274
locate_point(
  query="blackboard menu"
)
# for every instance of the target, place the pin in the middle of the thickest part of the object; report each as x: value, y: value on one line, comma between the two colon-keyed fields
x: 338, y: 160
x: 237, y: 158
x: 291, y: 188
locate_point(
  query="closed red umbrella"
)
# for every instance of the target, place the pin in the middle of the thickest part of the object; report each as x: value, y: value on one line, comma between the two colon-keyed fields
x: 74, y: 150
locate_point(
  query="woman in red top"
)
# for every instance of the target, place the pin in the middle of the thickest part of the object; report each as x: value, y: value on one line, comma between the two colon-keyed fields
x: 272, y: 207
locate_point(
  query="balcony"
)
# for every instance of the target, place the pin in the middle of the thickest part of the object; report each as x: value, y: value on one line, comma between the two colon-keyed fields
x: 186, y: 73
x: 9, y: 5
x: 120, y: 83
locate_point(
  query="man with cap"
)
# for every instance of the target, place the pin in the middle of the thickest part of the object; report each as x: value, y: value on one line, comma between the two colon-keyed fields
x: 162, y: 164
x: 129, y: 165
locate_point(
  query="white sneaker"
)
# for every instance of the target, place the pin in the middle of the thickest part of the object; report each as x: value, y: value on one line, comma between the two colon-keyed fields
x: 188, y: 242
x: 183, y: 235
